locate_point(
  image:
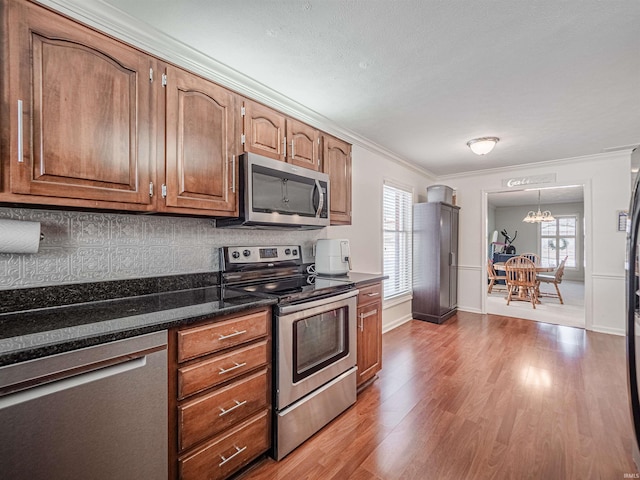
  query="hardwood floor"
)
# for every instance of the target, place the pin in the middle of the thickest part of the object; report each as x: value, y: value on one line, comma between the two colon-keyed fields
x: 479, y: 397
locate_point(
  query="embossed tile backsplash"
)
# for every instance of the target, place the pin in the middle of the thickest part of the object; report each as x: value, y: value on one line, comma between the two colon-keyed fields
x: 83, y: 247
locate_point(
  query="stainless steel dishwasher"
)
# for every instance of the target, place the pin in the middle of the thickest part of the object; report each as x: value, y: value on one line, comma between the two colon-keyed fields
x: 94, y: 413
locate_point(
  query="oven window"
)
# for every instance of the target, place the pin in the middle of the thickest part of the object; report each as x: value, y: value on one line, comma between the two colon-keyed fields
x: 319, y: 341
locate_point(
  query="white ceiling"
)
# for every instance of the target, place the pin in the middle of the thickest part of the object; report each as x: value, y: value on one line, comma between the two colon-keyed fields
x: 419, y: 78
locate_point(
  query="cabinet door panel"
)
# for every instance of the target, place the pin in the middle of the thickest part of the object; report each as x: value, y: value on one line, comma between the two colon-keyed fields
x: 445, y: 260
x: 87, y: 111
x: 218, y: 458
x: 200, y: 133
x: 264, y: 130
x: 220, y: 409
x: 303, y: 145
x: 369, y: 341
x: 453, y: 269
x: 234, y: 330
x: 337, y: 163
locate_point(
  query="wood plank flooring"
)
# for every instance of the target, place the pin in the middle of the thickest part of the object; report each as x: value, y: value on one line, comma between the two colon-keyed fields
x: 479, y: 397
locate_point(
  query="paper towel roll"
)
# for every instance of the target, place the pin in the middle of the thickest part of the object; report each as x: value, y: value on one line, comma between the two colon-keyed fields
x: 19, y: 237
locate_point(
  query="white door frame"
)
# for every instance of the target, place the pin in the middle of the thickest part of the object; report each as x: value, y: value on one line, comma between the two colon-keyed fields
x: 588, y: 242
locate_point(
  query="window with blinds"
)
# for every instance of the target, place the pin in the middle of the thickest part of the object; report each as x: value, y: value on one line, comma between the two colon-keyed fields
x: 558, y: 239
x: 396, y: 224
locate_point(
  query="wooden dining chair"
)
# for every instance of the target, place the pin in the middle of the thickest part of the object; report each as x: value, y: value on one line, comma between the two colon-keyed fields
x: 555, y: 279
x: 521, y: 279
x: 532, y: 256
x: 494, y: 277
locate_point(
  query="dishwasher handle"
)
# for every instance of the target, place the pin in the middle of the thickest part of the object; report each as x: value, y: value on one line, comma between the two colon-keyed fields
x: 72, y: 381
x: 32, y: 373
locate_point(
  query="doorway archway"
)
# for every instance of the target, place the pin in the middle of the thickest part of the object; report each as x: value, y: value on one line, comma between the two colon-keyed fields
x: 504, y: 210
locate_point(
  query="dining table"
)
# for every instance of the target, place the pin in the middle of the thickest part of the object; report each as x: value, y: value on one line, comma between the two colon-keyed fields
x: 522, y: 295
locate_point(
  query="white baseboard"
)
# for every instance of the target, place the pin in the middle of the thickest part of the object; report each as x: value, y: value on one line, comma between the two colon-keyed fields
x: 608, y: 330
x: 470, y: 309
x: 396, y: 323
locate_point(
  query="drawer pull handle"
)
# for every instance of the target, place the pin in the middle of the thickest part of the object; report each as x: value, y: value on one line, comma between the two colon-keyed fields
x: 230, y: 369
x: 368, y: 314
x: 234, y: 334
x: 224, y: 412
x: 365, y: 315
x: 20, y: 133
x: 374, y: 294
x: 233, y: 174
x: 238, y: 452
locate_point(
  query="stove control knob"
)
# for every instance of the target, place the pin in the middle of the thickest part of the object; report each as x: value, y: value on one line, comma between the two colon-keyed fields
x: 287, y: 251
x: 295, y: 252
x: 236, y: 254
x: 246, y: 253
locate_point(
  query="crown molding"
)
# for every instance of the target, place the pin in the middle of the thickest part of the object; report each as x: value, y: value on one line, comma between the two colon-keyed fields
x: 120, y: 25
x: 544, y: 164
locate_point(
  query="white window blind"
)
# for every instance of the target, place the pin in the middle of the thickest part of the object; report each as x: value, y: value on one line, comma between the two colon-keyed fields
x: 396, y: 224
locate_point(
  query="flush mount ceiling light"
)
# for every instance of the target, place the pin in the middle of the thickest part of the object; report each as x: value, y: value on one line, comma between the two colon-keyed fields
x: 538, y: 217
x: 482, y: 146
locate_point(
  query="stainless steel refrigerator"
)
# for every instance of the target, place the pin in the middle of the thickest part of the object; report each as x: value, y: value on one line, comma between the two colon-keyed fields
x: 633, y: 305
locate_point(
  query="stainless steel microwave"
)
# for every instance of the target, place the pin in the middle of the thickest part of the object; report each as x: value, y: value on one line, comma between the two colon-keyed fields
x: 275, y: 194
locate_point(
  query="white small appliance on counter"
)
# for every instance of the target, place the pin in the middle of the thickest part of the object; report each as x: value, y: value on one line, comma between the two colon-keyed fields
x: 333, y: 256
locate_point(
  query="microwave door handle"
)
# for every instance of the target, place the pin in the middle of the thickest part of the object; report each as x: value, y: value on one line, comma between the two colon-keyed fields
x: 321, y: 198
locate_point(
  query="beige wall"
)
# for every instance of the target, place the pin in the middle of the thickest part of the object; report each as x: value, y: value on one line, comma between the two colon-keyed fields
x: 606, y: 181
x: 370, y: 170
x: 528, y: 239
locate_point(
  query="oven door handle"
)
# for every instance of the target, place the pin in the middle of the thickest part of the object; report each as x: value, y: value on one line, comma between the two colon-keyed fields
x: 287, y: 309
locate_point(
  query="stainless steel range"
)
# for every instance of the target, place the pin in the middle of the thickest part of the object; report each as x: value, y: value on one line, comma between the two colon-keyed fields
x: 314, y: 337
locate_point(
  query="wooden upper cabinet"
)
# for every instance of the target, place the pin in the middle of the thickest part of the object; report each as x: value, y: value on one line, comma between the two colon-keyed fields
x: 201, y: 161
x: 336, y: 161
x: 80, y: 113
x: 303, y: 144
x: 264, y: 131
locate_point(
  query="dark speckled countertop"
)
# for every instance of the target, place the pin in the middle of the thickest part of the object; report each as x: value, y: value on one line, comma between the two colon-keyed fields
x: 360, y: 279
x: 121, y: 311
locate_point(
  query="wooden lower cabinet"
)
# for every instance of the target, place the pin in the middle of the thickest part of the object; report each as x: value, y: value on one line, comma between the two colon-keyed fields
x: 369, y: 324
x: 227, y: 453
x: 222, y: 408
x: 220, y: 395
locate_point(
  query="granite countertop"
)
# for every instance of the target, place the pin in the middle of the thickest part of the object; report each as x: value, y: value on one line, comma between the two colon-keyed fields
x: 33, y: 333
x: 360, y: 279
x: 44, y: 321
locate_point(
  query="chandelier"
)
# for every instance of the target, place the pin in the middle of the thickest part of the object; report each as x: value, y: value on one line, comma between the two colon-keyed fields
x: 537, y: 217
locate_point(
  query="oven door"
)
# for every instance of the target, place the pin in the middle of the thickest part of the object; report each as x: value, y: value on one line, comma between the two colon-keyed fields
x: 316, y: 342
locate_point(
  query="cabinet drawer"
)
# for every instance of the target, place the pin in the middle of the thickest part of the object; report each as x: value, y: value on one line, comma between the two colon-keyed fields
x: 210, y: 414
x: 369, y: 293
x: 207, y: 373
x: 226, y: 454
x: 197, y: 341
